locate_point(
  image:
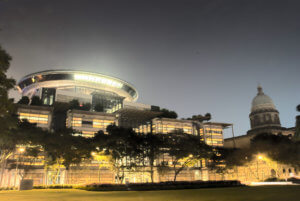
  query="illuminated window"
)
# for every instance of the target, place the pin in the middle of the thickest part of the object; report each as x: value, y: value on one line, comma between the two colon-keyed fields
x: 34, y: 118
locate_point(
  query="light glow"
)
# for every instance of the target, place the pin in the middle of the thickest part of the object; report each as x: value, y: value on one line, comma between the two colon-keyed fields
x: 260, y: 157
x: 21, y: 149
x: 98, y: 79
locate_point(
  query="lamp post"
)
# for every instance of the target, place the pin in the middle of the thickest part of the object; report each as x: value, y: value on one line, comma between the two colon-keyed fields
x: 259, y: 157
x: 20, y: 150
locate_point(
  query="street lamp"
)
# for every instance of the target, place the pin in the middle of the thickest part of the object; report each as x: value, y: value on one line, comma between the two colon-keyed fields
x: 259, y: 157
x: 20, y: 150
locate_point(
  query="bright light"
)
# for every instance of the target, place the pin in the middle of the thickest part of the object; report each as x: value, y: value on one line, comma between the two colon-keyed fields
x: 21, y: 149
x: 98, y: 79
x: 93, y: 153
x: 260, y: 157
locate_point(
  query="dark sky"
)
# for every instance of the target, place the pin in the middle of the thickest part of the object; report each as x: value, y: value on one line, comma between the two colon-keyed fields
x: 189, y: 56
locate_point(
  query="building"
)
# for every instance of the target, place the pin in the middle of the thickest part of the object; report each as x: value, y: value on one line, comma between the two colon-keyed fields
x: 116, y: 99
x: 87, y: 123
x: 40, y: 115
x: 65, y: 85
x: 210, y: 132
x: 113, y: 101
x: 264, y: 118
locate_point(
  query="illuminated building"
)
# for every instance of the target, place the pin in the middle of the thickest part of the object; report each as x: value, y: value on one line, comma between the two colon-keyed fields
x: 65, y: 85
x: 210, y: 132
x: 88, y: 123
x: 41, y: 115
x: 117, y: 100
x: 264, y: 118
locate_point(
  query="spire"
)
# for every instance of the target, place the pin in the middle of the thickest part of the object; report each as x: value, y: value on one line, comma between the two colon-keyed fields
x: 259, y: 89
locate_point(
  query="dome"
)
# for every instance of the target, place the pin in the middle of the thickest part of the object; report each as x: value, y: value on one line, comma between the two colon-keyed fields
x: 262, y: 101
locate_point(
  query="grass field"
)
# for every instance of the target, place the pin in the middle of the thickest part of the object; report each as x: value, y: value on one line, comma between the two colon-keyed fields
x: 266, y: 193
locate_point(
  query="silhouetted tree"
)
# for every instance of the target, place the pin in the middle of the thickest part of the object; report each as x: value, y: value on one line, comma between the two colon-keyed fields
x: 201, y: 118
x: 24, y: 100
x: 35, y: 100
x: 63, y: 149
x: 278, y: 147
x: 168, y: 114
x: 185, y: 151
x: 8, y: 119
x: 297, y: 129
x: 227, y: 158
x: 152, y: 146
x: 121, y: 144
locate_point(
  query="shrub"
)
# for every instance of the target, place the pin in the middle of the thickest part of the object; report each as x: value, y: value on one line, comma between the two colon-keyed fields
x: 160, y: 186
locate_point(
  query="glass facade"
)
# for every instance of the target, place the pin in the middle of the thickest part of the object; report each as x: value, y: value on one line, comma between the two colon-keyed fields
x: 212, y: 134
x: 106, y: 102
x: 48, y: 96
x: 88, y: 123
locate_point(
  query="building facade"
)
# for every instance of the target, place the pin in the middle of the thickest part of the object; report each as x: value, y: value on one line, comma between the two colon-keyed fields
x: 117, y: 102
x: 264, y: 118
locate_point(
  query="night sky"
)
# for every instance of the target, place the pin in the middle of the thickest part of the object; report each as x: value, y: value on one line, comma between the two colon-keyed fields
x: 189, y: 56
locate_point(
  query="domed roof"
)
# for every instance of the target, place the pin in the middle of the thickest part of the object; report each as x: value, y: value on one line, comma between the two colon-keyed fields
x: 262, y: 101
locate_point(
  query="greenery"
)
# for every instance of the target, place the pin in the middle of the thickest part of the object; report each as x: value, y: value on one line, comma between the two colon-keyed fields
x: 8, y: 119
x: 35, y: 100
x: 152, y: 148
x: 278, y: 147
x: 186, y: 151
x: 121, y: 144
x: 201, y: 118
x: 165, y: 113
x: 266, y: 193
x: 24, y: 100
x: 160, y: 186
x: 297, y: 129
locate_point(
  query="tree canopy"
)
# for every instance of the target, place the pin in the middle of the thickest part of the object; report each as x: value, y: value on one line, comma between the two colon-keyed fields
x: 168, y: 114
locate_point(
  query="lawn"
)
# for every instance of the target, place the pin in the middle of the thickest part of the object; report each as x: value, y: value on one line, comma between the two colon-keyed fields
x: 265, y: 193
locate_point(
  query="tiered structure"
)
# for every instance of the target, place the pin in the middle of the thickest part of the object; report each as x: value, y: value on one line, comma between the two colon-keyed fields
x: 264, y: 117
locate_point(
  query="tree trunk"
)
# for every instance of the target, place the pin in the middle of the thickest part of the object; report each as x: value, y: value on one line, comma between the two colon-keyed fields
x: 151, y: 173
x: 3, y: 164
x: 175, y: 172
x: 99, y: 174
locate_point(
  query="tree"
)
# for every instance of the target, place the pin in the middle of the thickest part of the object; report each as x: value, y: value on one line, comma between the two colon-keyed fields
x: 278, y: 147
x: 152, y: 148
x: 24, y: 100
x: 201, y: 118
x: 297, y: 130
x: 121, y: 144
x: 62, y: 149
x: 186, y: 151
x: 8, y: 119
x: 223, y: 158
x: 24, y: 133
x: 35, y: 100
x: 103, y: 160
x: 168, y: 114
